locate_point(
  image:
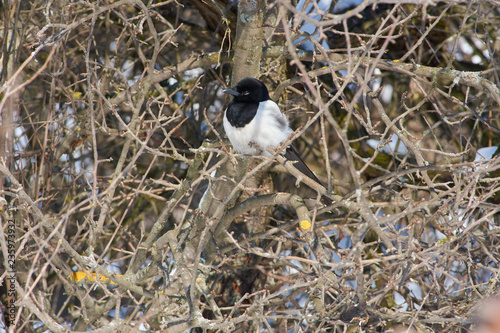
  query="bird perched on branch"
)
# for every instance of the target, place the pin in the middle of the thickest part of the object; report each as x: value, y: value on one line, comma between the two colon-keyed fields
x: 253, y: 122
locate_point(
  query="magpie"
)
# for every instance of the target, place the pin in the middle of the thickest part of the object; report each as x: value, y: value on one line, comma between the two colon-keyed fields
x: 253, y: 121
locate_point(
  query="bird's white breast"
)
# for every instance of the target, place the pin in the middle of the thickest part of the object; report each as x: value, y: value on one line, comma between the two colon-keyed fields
x: 269, y: 127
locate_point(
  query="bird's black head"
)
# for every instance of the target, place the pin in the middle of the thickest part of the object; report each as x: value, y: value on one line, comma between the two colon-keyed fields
x: 249, y: 90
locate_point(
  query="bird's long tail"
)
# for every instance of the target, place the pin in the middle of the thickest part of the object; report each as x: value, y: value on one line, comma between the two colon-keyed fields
x: 291, y: 155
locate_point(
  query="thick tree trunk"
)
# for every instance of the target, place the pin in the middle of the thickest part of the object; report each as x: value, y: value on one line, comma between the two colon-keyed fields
x: 248, y: 45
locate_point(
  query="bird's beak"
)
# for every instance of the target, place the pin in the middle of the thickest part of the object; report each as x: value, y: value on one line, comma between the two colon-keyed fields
x: 231, y: 91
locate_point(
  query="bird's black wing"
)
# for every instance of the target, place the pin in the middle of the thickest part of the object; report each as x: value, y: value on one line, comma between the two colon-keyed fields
x: 292, y: 156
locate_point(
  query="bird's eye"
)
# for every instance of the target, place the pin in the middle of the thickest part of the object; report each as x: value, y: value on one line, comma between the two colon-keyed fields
x: 245, y: 93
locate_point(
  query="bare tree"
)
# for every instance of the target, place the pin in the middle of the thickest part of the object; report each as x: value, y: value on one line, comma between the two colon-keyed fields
x: 124, y: 208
